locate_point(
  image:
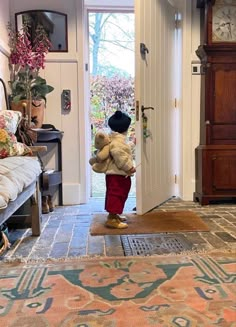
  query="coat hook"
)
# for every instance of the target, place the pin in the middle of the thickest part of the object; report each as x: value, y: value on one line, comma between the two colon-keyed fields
x: 143, y: 50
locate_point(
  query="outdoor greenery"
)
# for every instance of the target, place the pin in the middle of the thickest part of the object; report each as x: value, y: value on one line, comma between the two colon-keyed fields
x: 109, y: 94
x: 111, y: 83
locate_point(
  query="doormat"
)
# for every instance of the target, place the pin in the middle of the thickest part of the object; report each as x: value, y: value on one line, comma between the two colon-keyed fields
x: 151, y: 223
x: 142, y: 245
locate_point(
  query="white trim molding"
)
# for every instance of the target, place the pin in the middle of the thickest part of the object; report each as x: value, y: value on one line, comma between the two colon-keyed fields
x: 71, y: 194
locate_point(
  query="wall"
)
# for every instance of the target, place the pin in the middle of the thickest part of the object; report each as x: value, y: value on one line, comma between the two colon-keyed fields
x: 4, y: 49
x: 66, y: 71
x: 195, y: 91
x: 190, y: 109
x: 63, y: 71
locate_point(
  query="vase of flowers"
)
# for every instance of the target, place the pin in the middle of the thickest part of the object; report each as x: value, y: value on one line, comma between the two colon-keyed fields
x: 27, y: 57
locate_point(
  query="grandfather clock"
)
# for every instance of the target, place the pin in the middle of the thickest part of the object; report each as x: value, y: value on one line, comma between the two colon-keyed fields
x: 216, y: 154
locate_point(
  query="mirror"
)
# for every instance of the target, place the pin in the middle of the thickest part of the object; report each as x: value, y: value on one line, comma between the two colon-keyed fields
x: 54, y: 23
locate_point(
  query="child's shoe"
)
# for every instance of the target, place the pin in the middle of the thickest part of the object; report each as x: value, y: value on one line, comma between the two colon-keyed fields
x: 113, y: 221
x: 122, y: 218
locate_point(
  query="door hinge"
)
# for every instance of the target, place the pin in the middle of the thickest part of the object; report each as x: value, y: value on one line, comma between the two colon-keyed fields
x: 86, y: 67
x: 175, y: 179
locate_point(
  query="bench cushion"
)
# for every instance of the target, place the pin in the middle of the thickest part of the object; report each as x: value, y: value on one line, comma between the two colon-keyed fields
x: 16, y: 173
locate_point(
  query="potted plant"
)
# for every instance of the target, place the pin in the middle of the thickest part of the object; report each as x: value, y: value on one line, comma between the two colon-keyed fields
x: 27, y: 57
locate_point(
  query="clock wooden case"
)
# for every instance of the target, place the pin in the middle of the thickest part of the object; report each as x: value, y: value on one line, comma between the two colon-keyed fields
x: 216, y: 154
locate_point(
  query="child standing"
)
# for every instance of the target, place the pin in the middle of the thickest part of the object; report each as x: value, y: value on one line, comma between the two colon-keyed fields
x: 118, y: 180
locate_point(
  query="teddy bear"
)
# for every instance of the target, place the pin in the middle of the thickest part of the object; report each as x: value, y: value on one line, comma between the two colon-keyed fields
x: 102, y: 157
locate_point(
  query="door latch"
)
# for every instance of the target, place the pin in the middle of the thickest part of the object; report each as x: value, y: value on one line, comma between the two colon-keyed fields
x: 136, y: 109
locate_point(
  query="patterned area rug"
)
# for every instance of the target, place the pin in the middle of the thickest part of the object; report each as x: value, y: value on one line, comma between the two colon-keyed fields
x: 150, y: 291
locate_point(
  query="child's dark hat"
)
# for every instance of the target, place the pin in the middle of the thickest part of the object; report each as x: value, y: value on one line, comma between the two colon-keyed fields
x: 119, y: 122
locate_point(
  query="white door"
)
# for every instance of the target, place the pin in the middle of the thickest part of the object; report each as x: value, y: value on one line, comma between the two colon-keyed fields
x: 154, y: 87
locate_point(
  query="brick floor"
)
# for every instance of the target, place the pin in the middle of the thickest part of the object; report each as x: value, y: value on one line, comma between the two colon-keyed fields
x: 65, y: 232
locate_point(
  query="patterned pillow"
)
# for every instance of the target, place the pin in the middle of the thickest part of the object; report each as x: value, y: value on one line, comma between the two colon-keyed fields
x: 9, y: 146
x: 9, y: 120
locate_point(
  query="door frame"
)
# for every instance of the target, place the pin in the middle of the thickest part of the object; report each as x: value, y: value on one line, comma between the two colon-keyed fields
x: 87, y: 140
x: 186, y: 177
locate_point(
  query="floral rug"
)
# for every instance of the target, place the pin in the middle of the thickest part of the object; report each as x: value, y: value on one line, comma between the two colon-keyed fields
x: 163, y: 291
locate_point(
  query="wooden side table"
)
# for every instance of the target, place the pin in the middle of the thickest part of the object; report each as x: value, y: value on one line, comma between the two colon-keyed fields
x: 52, y: 179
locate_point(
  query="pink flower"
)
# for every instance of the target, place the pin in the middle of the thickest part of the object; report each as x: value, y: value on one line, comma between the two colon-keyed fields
x: 25, y: 51
x: 26, y: 58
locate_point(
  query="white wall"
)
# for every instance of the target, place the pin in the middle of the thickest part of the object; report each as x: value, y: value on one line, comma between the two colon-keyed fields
x: 4, y: 49
x: 66, y: 71
x: 190, y: 114
x: 195, y: 92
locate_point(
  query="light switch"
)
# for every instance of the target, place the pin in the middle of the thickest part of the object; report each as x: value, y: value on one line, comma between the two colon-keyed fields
x: 196, y: 69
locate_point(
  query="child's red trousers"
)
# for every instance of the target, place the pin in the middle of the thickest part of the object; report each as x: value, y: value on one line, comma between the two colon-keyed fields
x: 117, y: 191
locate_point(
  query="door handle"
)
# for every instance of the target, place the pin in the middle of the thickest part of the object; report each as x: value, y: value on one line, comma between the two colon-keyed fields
x: 146, y: 108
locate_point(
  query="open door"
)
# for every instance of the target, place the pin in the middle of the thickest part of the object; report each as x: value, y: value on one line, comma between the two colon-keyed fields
x: 154, y: 93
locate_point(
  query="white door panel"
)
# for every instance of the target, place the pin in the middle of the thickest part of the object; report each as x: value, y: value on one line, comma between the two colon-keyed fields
x: 155, y: 27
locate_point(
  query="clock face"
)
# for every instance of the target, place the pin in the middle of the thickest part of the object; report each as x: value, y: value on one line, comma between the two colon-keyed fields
x: 224, y: 24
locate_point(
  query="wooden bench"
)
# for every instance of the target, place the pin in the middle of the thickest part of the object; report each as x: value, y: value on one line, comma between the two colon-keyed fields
x: 33, y: 193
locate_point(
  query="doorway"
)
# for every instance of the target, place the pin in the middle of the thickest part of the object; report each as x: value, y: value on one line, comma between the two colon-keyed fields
x: 111, y: 77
